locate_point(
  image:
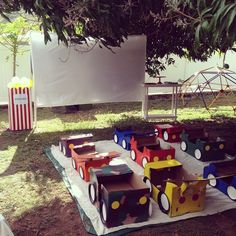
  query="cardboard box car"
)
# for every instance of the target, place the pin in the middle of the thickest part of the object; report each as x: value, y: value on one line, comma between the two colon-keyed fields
x: 176, y: 191
x: 196, y: 143
x: 119, y: 195
x: 222, y: 176
x: 147, y: 148
x: 66, y: 143
x: 85, y: 157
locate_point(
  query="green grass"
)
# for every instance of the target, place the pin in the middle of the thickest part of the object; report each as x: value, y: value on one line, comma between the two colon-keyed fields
x: 29, y: 180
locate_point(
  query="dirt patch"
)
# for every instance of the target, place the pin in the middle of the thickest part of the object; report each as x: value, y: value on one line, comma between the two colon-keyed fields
x: 55, y: 219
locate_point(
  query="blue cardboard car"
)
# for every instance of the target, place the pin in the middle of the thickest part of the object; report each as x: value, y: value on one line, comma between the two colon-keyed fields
x: 222, y: 176
x: 123, y: 137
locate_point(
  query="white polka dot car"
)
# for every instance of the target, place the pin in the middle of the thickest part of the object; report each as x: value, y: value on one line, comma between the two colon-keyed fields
x: 176, y: 191
x: 119, y: 195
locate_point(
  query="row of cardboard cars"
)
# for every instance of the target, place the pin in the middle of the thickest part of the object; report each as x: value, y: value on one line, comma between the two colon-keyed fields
x: 118, y: 193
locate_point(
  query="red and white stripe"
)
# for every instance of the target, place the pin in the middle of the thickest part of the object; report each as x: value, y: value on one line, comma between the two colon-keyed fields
x: 20, y: 113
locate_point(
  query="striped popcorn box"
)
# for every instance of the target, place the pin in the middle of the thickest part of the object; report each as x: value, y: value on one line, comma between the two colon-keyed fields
x: 20, y: 108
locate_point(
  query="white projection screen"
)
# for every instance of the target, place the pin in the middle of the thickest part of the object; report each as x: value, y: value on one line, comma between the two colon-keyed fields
x: 87, y: 74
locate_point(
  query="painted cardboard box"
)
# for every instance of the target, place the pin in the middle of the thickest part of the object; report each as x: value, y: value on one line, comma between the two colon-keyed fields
x: 226, y: 134
x: 123, y: 137
x: 169, y: 133
x: 68, y: 142
x: 85, y: 157
x: 198, y: 144
x: 147, y: 148
x: 176, y: 191
x: 119, y: 195
x: 222, y: 176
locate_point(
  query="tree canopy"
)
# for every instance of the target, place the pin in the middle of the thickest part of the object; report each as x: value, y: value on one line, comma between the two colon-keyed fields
x: 194, y: 29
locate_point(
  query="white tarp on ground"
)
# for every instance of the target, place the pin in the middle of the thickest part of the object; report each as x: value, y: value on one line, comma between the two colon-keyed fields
x: 215, y: 200
x: 68, y: 76
x: 4, y: 228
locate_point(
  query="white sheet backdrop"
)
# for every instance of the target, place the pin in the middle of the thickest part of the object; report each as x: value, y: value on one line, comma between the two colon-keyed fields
x: 68, y: 76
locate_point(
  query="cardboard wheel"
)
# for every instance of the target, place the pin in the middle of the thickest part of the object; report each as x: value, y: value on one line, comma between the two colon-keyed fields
x: 165, y: 136
x: 231, y: 191
x: 163, y: 202
x: 81, y: 172
x: 212, y: 180
x: 124, y: 144
x: 115, y: 138
x: 198, y: 154
x: 150, y: 209
x: 92, y: 193
x: 147, y: 181
x: 103, y: 212
x: 157, y: 132
x: 183, y: 146
x: 73, y: 164
x: 133, y: 155
x: 60, y: 146
x: 144, y: 162
x: 64, y: 150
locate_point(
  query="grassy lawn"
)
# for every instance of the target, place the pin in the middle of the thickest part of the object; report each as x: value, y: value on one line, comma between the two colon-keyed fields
x: 33, y: 197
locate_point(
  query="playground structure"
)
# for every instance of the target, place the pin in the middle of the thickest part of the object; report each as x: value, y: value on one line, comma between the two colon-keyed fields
x: 210, y: 85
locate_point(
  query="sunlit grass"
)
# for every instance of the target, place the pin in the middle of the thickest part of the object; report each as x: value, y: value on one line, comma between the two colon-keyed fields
x: 6, y: 158
x: 24, y: 191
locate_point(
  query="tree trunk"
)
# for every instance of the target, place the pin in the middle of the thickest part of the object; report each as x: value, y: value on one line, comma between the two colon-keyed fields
x: 14, y: 54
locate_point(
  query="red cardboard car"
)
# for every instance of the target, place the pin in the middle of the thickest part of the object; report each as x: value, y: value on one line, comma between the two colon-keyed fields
x: 147, y: 148
x: 84, y: 157
x: 169, y: 133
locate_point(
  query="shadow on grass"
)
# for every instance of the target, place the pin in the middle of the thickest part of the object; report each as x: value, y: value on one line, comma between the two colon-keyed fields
x: 51, y: 219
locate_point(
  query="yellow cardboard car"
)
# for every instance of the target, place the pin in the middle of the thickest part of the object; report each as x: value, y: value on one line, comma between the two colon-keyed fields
x: 176, y: 191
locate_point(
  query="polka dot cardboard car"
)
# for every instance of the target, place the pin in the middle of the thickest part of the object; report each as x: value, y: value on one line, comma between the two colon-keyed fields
x: 169, y: 133
x: 222, y: 176
x: 84, y: 157
x: 198, y: 144
x: 176, y: 191
x: 147, y: 148
x: 123, y: 137
x: 119, y: 195
x: 68, y: 142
